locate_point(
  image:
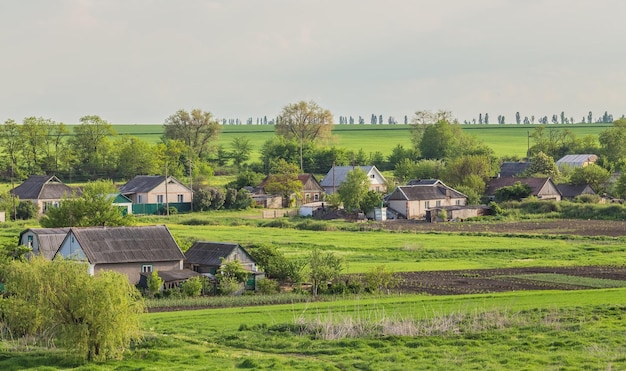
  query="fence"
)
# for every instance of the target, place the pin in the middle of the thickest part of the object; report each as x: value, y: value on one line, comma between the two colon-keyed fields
x: 277, y: 213
x: 152, y: 209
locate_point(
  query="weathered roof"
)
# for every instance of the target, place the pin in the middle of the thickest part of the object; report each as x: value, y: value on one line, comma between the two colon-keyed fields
x: 535, y: 184
x: 105, y: 245
x: 174, y: 275
x: 304, y: 178
x: 509, y: 169
x: 338, y: 174
x: 577, y: 160
x: 209, y: 253
x: 422, y: 182
x: 42, y: 187
x: 573, y: 190
x: 48, y: 239
x: 142, y: 184
x: 425, y: 191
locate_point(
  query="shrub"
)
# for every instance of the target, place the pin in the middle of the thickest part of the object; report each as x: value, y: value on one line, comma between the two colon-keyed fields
x: 312, y: 225
x: 278, y: 223
x: 588, y: 199
x: 267, y: 286
x: 229, y: 286
x: 192, y: 287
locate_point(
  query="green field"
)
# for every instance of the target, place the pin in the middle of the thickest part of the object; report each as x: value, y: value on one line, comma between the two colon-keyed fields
x: 505, y: 140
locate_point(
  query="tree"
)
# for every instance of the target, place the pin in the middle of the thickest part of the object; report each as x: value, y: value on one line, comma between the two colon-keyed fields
x: 154, y: 283
x: 613, y: 142
x: 620, y: 186
x: 353, y: 190
x: 324, y: 267
x: 379, y: 279
x: 592, y: 174
x: 241, y: 149
x: 515, y: 192
x: 90, y: 143
x: 196, y: 129
x: 305, y: 122
x: 33, y: 132
x: 136, y: 157
x: 444, y: 140
x: 542, y: 164
x: 192, y: 287
x: 11, y: 141
x: 97, y: 316
x: 93, y: 208
x: 284, y: 181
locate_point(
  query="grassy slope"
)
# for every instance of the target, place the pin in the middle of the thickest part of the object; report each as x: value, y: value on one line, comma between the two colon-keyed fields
x: 507, y: 140
x: 588, y: 334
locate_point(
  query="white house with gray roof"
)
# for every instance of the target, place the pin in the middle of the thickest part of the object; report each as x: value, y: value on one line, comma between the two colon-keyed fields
x: 44, y: 191
x: 412, y: 201
x: 338, y: 174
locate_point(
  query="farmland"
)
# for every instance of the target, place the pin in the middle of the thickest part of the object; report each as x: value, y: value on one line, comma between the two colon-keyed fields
x: 505, y: 140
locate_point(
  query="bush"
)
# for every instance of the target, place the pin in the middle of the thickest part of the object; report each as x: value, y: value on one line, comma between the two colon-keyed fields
x: 278, y: 223
x: 588, y: 199
x: 312, y: 225
x: 197, y: 221
x: 229, y: 286
x: 192, y: 287
x: 26, y: 210
x: 267, y: 286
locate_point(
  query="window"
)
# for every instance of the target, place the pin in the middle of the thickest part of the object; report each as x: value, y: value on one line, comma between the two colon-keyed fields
x: 427, y: 204
x: 179, y: 198
x: 458, y: 202
x: 146, y: 268
x: 30, y: 241
x: 438, y: 203
x: 159, y: 199
x: 139, y: 199
x: 316, y: 197
x: 372, y: 176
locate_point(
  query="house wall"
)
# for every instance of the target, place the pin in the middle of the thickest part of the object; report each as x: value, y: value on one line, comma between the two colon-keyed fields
x: 34, y: 244
x: 549, y: 192
x: 417, y: 209
x: 71, y: 249
x: 133, y: 270
x: 377, y: 183
x: 173, y: 190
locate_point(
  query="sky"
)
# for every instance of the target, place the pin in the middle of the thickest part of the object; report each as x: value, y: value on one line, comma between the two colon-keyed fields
x: 139, y: 61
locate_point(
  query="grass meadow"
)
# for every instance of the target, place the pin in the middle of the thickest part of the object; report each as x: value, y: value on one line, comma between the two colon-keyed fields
x: 505, y: 140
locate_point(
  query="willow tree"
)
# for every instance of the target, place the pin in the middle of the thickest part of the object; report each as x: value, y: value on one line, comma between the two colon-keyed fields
x: 305, y: 122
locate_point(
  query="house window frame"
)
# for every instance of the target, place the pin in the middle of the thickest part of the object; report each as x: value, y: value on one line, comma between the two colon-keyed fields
x: 160, y: 199
x: 316, y: 197
x: 147, y: 268
x: 426, y: 204
x: 437, y: 203
x: 180, y: 198
x: 139, y: 199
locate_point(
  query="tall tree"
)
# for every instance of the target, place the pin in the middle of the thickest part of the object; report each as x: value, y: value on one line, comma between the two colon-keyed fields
x: 283, y: 180
x: 11, y: 141
x: 33, y: 132
x: 354, y: 189
x: 592, y: 174
x: 56, y: 146
x: 196, y: 129
x: 324, y: 267
x: 136, y: 157
x: 91, y: 144
x: 613, y: 143
x: 240, y: 150
x: 305, y: 122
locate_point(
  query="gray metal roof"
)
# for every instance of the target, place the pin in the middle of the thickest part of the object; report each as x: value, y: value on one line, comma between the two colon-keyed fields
x: 43, y: 187
x: 337, y: 174
x: 509, y: 169
x: 426, y: 191
x: 209, y: 253
x: 577, y: 160
x: 142, y: 184
x: 105, y: 245
x: 48, y: 239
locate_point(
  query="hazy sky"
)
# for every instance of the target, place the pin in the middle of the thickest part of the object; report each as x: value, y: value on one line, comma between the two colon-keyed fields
x: 139, y: 61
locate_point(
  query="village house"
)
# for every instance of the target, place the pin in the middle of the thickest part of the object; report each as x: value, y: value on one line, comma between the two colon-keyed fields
x: 571, y: 191
x: 412, y: 201
x: 45, y: 191
x: 207, y: 257
x: 542, y: 188
x: 43, y: 241
x: 338, y: 174
x: 150, y: 193
x: 127, y: 250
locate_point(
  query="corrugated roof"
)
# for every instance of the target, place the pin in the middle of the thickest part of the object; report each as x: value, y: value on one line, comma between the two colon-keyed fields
x: 578, y: 159
x: 337, y: 174
x: 574, y: 190
x: 209, y: 253
x: 48, y: 240
x: 42, y: 187
x: 173, y: 275
x: 105, y: 245
x: 425, y: 191
x: 142, y: 184
x: 535, y: 184
x: 509, y: 169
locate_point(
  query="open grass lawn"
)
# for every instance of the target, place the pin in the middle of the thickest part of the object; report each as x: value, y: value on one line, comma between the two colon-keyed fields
x: 505, y: 140
x: 526, y: 330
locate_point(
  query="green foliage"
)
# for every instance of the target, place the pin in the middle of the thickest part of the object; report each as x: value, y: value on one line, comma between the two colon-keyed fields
x: 233, y: 269
x: 620, y: 186
x: 542, y: 165
x: 380, y: 279
x: 324, y: 267
x: 93, y: 208
x: 591, y: 174
x: 155, y: 283
x: 517, y: 192
x: 495, y: 208
x: 26, y: 210
x: 268, y: 287
x: 97, y: 316
x: 354, y: 189
x: 443, y: 140
x: 370, y: 201
x: 192, y: 287
x: 196, y: 129
x: 246, y: 178
x: 613, y: 142
x: 229, y: 286
x: 283, y: 180
x: 207, y: 198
